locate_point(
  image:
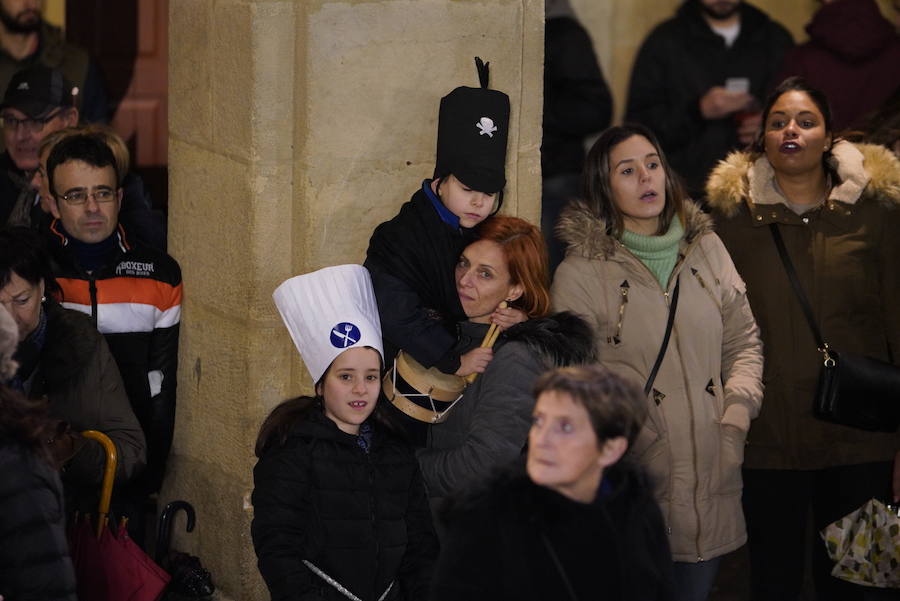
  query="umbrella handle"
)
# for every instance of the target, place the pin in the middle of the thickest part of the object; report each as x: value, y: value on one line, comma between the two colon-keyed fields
x: 109, y: 475
x: 164, y: 532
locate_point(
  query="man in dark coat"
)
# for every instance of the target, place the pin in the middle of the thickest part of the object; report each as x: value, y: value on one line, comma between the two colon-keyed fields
x: 26, y: 40
x: 37, y: 102
x: 699, y: 80
x: 577, y: 103
x: 853, y: 55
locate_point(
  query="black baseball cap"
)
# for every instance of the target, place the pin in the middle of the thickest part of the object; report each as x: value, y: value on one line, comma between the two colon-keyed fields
x: 37, y: 91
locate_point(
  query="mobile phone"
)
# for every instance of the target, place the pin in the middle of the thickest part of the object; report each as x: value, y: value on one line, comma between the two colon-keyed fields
x: 737, y: 84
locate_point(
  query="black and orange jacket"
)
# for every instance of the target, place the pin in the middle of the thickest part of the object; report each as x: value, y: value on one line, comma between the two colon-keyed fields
x: 135, y: 302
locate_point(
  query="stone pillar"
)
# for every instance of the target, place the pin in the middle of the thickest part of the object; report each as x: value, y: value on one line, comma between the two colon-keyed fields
x: 295, y: 127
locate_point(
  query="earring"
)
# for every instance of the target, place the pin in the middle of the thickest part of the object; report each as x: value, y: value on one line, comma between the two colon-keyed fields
x: 43, y: 299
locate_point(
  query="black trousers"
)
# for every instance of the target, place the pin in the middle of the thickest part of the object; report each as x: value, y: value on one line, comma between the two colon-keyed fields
x: 777, y: 505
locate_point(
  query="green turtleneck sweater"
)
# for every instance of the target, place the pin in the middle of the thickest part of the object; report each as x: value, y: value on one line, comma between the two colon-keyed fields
x: 658, y: 253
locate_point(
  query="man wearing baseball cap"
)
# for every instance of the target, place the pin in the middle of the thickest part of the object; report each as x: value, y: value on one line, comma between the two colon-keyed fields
x: 27, y: 39
x: 38, y: 101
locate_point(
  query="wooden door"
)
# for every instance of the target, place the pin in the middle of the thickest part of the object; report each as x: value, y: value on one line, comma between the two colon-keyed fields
x: 129, y: 40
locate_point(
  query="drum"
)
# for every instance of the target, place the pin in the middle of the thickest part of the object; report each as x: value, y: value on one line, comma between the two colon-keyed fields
x: 426, y: 395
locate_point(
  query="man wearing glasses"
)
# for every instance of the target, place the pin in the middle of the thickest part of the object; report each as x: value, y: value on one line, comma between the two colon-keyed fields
x: 132, y: 293
x: 37, y: 102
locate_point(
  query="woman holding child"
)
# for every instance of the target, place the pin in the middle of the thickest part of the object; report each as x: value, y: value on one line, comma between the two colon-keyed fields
x: 640, y: 251
x: 488, y: 426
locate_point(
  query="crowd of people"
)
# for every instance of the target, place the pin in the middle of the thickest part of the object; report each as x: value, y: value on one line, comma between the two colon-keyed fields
x: 607, y: 403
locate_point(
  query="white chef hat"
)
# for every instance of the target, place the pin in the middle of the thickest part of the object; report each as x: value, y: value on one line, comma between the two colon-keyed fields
x: 329, y: 311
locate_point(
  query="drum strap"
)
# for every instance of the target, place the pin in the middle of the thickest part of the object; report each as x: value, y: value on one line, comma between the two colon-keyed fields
x: 429, y: 416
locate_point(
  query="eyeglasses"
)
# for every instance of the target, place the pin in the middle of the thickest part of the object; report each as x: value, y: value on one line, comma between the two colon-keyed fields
x: 32, y: 125
x: 79, y: 197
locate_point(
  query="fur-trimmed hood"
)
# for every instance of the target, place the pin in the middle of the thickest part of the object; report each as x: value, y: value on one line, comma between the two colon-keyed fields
x: 559, y: 339
x: 865, y: 172
x: 587, y: 234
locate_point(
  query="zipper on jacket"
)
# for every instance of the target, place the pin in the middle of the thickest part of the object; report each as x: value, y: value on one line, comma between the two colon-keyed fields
x: 681, y: 257
x: 693, y: 431
x: 616, y: 338
x: 92, y: 287
x: 372, y: 516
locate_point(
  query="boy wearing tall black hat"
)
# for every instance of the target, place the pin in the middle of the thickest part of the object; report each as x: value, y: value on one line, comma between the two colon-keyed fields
x: 411, y: 257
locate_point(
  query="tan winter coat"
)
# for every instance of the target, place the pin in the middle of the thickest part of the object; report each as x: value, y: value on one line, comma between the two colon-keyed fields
x: 847, y: 256
x: 710, y: 377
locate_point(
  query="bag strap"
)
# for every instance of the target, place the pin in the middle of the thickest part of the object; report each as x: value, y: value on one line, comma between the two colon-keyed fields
x: 798, y: 289
x: 665, y: 343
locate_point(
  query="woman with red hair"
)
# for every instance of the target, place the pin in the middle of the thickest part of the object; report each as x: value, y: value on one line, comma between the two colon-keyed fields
x: 488, y: 426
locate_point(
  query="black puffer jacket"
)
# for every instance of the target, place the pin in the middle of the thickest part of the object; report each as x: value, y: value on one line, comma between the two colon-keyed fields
x: 498, y: 543
x: 411, y: 259
x: 34, y: 555
x: 361, y: 518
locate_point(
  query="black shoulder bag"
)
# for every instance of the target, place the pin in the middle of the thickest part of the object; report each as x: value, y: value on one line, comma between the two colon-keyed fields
x: 665, y: 342
x: 853, y: 390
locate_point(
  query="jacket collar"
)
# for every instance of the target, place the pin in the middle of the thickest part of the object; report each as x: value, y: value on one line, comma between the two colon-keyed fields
x: 864, y: 173
x: 62, y: 238
x: 586, y: 234
x: 443, y: 212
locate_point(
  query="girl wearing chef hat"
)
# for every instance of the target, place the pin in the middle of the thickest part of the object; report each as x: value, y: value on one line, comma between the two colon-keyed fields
x: 340, y: 510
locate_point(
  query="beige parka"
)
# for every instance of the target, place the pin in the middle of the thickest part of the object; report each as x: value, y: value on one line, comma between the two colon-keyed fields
x: 709, y: 385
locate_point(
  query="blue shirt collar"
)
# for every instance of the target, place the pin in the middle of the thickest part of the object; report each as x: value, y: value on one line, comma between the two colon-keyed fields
x: 443, y: 212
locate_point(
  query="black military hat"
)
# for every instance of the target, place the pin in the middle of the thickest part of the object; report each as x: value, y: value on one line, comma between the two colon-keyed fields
x: 38, y: 90
x: 473, y: 127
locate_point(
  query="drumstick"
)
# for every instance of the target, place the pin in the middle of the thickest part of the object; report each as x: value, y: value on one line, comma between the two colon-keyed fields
x: 489, y: 339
